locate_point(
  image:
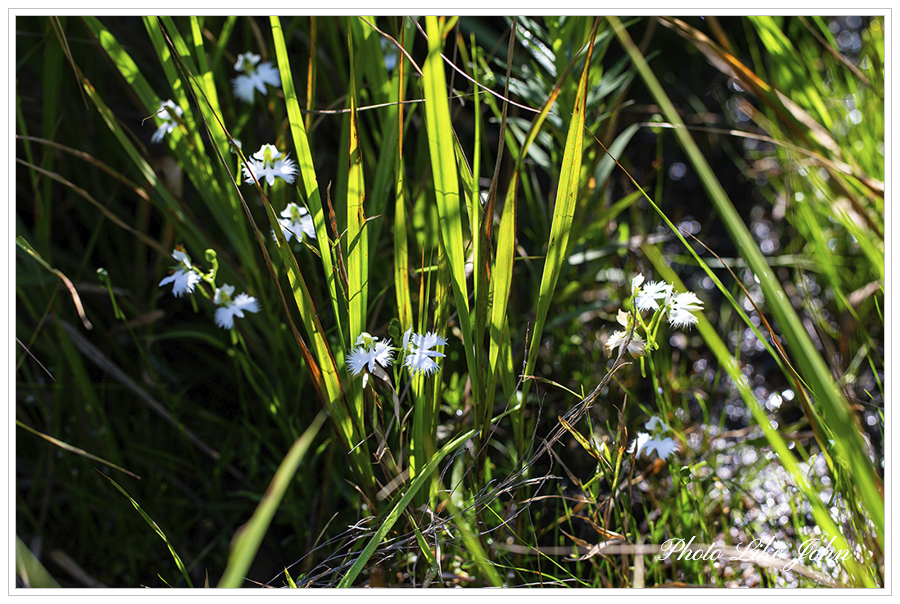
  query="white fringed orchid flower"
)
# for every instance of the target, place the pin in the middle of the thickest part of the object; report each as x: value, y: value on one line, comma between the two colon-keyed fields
x: 367, y: 352
x: 682, y: 308
x: 419, y: 354
x: 167, y: 112
x: 184, y: 278
x: 267, y: 163
x: 296, y: 221
x: 254, y: 76
x: 229, y: 307
x: 654, y: 440
x: 636, y: 347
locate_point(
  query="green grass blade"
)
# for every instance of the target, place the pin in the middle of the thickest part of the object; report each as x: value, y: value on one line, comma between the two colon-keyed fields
x: 563, y: 213
x: 401, y: 218
x: 72, y: 449
x: 307, y: 170
x: 357, y: 233
x: 249, y: 537
x: 442, y: 147
x: 208, y: 84
x: 155, y: 527
x: 30, y: 569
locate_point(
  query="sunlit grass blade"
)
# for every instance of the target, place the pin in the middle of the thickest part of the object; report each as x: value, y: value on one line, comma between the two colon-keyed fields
x: 357, y: 233
x: 247, y: 540
x: 401, y: 217
x: 446, y: 189
x: 811, y: 365
x: 563, y: 213
x: 207, y: 81
x: 30, y: 569
x: 308, y: 173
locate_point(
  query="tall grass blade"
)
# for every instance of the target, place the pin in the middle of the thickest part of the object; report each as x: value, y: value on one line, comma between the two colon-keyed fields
x: 441, y: 147
x: 563, y: 212
x: 30, y: 569
x: 307, y: 172
x: 247, y: 540
x: 155, y: 527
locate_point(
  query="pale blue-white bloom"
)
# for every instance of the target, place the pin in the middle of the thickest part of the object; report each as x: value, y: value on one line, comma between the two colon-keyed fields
x: 296, y: 221
x: 184, y: 278
x: 167, y: 112
x: 368, y: 351
x: 255, y: 76
x: 646, y: 298
x: 646, y: 445
x: 267, y: 163
x: 391, y: 54
x: 655, y: 440
x: 682, y: 309
x: 229, y: 307
x: 636, y: 282
x: 636, y: 347
x: 419, y: 354
x: 655, y: 424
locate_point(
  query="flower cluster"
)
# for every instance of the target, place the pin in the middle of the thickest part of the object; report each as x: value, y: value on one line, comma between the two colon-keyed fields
x: 654, y: 439
x: 167, y: 113
x: 659, y: 297
x: 267, y: 163
x: 369, y: 353
x: 296, y: 221
x: 186, y: 276
x: 254, y: 76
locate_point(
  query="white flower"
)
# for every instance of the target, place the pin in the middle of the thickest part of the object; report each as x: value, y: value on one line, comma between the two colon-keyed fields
x: 646, y: 298
x: 654, y: 422
x: 182, y: 257
x: 636, y: 282
x: 682, y: 306
x: 646, y: 445
x: 230, y: 308
x: 255, y: 76
x: 656, y: 440
x: 184, y: 278
x: 296, y: 220
x: 267, y: 163
x: 420, y: 357
x: 168, y: 120
x: 636, y: 347
x: 367, y: 352
x: 184, y: 281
